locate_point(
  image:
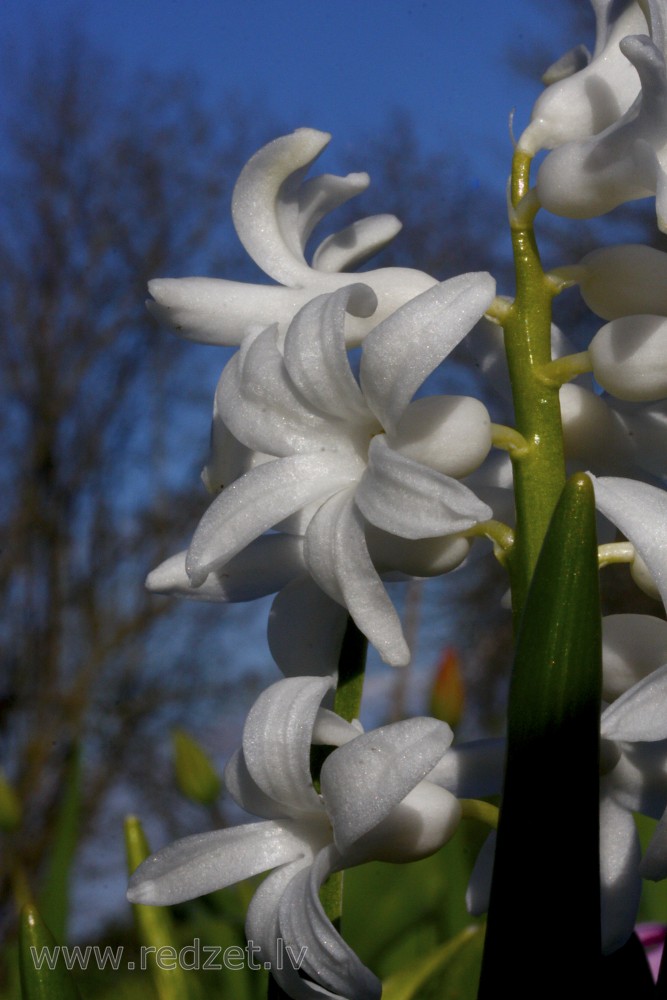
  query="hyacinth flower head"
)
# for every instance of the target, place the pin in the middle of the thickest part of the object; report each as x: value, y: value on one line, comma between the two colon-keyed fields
x: 347, y: 468
x: 275, y: 210
x: 626, y: 161
x: 374, y: 804
x: 588, y: 93
x: 633, y: 778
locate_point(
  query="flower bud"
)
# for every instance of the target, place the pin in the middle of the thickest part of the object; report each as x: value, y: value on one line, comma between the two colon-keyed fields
x: 10, y: 806
x: 448, y: 692
x: 625, y: 280
x: 416, y: 828
x: 195, y: 775
x: 629, y: 357
x: 451, y: 434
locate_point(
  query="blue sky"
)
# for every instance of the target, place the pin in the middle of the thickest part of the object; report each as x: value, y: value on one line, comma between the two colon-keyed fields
x: 339, y: 66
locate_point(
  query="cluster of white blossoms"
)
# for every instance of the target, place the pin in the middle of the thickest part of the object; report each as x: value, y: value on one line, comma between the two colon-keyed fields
x: 329, y: 477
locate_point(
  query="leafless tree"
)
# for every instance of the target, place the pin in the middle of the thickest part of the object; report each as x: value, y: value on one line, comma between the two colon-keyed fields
x: 108, y: 182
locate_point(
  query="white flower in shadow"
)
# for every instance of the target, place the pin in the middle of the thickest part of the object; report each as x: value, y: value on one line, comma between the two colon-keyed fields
x: 374, y: 804
x: 628, y: 160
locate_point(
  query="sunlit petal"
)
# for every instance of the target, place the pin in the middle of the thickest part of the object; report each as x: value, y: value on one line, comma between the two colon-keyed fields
x: 276, y: 741
x: 251, y: 505
x: 640, y: 512
x: 206, y: 862
x: 326, y: 958
x: 406, y: 347
x: 265, y: 205
x: 409, y: 499
x: 265, y: 566
x: 387, y: 763
x: 337, y: 557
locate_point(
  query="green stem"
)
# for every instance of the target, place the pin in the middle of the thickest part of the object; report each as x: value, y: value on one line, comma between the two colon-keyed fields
x: 351, y: 667
x: 539, y: 473
x: 563, y: 370
x: 347, y: 703
x: 477, y: 809
x: 347, y: 699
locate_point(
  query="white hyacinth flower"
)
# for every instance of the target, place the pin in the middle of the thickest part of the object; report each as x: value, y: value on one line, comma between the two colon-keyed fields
x: 633, y: 646
x: 639, y: 510
x: 584, y: 99
x: 628, y: 160
x: 633, y: 778
x: 359, y: 477
x: 374, y: 804
x: 275, y: 211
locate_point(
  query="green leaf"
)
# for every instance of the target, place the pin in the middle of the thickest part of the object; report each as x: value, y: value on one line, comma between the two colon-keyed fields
x: 544, y: 916
x: 10, y: 807
x: 407, y: 983
x: 54, y: 897
x: 195, y: 775
x: 37, y: 953
x: 155, y: 930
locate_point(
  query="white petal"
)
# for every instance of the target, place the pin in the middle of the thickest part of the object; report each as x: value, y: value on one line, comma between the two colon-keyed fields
x: 629, y: 357
x: 265, y: 566
x: 638, y: 783
x: 350, y: 247
x: 639, y: 715
x: 410, y: 344
x: 393, y: 286
x: 251, y: 505
x: 261, y: 924
x: 417, y: 827
x: 306, y: 629
x: 472, y: 770
x: 228, y: 458
x: 485, y: 346
x: 206, y: 862
x: 242, y: 787
x: 654, y: 863
x: 640, y: 512
x: 633, y: 646
x: 331, y: 730
x: 321, y: 195
x: 620, y: 883
x: 265, y: 204
x: 571, y: 62
x: 336, y: 972
x: 596, y: 96
x: 647, y: 427
x: 337, y: 557
x: 257, y: 401
x: 276, y: 742
x: 625, y: 280
x: 364, y: 780
x: 216, y: 311
x: 591, y: 177
x: 409, y: 499
x: 316, y: 359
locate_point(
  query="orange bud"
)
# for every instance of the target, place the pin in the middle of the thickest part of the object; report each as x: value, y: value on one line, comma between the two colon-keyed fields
x: 447, y: 693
